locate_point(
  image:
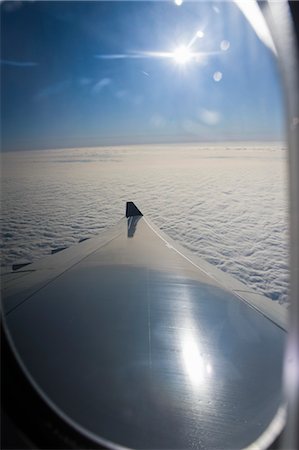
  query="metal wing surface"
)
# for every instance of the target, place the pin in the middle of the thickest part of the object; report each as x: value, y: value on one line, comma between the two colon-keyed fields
x: 139, y: 344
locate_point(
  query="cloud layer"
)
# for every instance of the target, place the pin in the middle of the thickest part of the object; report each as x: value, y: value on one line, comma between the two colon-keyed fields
x: 228, y: 203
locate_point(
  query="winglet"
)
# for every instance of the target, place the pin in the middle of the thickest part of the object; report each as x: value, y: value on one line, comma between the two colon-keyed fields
x: 132, y: 210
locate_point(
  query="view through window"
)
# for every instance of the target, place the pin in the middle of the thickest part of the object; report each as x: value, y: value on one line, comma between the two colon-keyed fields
x: 176, y: 106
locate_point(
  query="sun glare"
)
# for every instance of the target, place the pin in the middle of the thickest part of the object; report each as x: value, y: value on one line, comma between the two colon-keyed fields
x: 182, y: 55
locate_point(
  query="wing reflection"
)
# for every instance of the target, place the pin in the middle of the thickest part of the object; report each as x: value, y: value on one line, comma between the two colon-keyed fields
x: 132, y: 224
x: 195, y: 365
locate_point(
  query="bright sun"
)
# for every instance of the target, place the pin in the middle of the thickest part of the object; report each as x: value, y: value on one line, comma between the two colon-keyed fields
x: 182, y: 55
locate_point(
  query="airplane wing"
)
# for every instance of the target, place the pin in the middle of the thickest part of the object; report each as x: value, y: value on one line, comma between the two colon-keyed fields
x: 135, y: 343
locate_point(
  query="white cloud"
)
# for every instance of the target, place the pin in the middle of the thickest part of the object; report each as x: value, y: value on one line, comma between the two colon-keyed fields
x: 101, y: 84
x: 209, y: 117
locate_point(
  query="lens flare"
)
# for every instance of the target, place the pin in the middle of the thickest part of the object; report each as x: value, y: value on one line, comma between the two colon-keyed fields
x: 182, y: 55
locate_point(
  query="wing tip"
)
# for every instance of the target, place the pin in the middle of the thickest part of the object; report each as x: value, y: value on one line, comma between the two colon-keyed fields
x: 132, y: 210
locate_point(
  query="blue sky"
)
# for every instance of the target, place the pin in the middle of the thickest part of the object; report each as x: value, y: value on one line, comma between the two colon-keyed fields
x: 97, y: 73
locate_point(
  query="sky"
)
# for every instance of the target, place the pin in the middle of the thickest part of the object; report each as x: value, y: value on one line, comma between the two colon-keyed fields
x: 77, y: 74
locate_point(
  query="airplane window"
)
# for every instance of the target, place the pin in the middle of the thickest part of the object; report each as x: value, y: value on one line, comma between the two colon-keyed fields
x: 165, y: 328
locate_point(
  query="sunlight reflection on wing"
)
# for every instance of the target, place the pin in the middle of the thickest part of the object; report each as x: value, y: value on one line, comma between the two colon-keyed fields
x: 196, y: 367
x: 193, y: 361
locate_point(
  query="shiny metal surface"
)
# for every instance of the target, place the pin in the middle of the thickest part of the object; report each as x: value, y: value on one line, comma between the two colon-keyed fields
x: 140, y: 347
